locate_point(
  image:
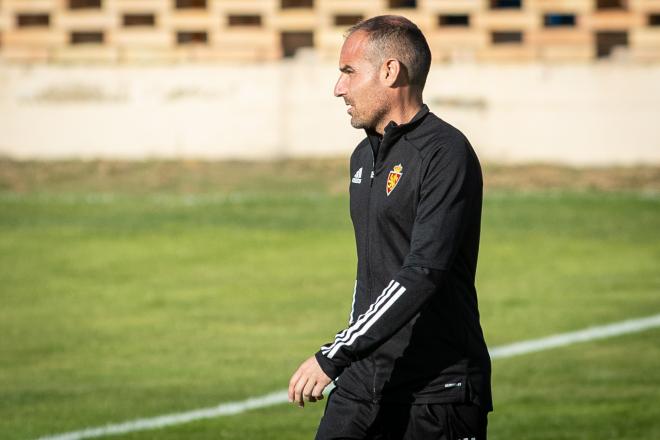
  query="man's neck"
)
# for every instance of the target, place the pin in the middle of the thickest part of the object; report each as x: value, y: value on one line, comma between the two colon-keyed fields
x: 402, y: 113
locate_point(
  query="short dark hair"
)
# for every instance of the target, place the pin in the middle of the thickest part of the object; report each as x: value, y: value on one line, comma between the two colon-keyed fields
x: 397, y: 37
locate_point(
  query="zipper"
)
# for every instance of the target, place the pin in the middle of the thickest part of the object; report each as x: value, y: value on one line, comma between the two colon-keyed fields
x: 369, y: 277
x: 371, y: 183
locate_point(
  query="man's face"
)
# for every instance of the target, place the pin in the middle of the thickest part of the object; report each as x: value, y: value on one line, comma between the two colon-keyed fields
x: 359, y: 83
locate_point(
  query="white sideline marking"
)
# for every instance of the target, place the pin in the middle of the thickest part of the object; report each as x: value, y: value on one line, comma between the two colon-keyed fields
x: 588, y: 334
x: 226, y: 409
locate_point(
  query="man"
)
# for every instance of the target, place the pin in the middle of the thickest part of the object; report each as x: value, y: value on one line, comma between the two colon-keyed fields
x: 413, y: 363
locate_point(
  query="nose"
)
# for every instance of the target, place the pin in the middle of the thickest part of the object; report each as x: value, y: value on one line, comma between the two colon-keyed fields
x: 340, y: 87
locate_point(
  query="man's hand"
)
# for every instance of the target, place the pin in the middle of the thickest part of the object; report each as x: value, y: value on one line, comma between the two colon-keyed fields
x: 308, y: 382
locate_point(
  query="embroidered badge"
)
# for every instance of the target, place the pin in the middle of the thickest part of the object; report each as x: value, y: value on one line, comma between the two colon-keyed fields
x: 393, y: 178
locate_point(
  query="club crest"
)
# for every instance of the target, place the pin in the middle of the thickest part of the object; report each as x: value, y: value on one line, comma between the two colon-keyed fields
x: 393, y: 178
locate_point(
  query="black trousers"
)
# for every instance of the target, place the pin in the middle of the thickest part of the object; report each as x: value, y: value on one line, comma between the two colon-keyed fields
x: 346, y: 418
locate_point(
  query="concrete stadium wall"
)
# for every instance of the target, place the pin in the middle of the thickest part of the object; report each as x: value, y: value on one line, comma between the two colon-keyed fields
x: 595, y: 114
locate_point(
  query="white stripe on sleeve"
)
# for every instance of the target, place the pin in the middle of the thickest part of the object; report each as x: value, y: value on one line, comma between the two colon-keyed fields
x: 350, y: 317
x: 346, y: 333
x: 364, y: 318
x: 368, y: 325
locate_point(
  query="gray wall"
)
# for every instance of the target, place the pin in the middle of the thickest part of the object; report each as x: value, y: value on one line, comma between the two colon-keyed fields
x: 576, y: 114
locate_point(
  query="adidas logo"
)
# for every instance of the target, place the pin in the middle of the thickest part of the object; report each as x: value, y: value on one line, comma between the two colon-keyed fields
x: 357, y: 177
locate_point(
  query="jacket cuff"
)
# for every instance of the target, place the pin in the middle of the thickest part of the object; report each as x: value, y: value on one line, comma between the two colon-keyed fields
x: 329, y: 367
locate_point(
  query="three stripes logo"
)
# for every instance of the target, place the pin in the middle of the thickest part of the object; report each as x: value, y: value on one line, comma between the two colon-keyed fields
x: 357, y: 177
x: 366, y: 320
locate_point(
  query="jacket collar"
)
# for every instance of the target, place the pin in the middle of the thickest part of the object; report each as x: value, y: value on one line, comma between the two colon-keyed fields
x: 393, y: 128
x: 393, y: 132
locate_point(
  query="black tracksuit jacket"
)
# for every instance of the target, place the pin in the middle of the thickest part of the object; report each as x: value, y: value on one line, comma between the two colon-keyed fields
x: 414, y: 334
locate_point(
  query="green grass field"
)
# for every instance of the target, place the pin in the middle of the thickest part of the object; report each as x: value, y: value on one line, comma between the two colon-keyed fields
x: 136, y: 292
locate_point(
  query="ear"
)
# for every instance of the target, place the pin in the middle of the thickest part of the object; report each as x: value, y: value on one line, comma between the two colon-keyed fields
x: 390, y: 71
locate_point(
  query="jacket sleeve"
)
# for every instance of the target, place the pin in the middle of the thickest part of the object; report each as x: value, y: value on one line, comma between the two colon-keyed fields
x: 451, y: 182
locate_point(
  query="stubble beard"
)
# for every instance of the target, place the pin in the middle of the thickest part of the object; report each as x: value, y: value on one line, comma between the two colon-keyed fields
x: 370, y: 122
